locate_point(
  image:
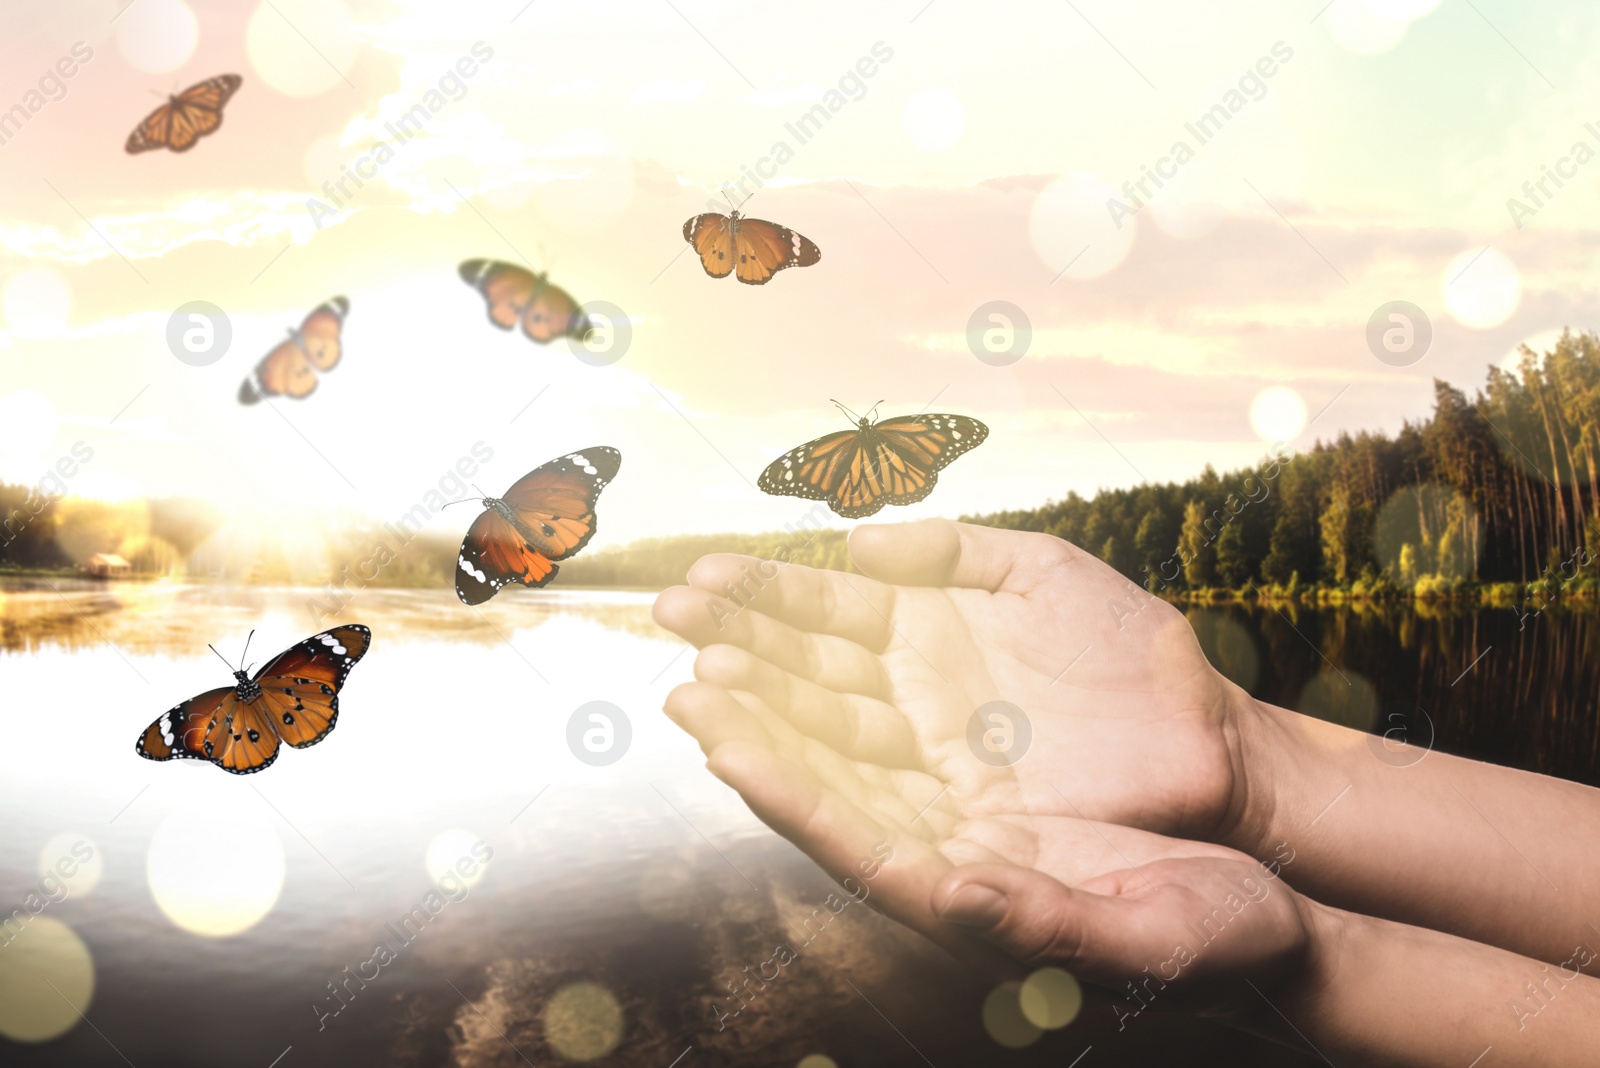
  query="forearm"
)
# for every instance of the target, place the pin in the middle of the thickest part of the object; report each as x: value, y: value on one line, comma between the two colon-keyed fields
x: 1386, y: 993
x: 1492, y: 854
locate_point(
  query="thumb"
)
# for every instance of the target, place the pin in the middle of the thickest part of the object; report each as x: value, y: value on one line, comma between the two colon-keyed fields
x: 1036, y: 919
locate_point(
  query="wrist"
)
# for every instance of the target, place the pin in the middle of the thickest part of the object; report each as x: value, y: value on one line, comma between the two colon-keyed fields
x: 1256, y: 746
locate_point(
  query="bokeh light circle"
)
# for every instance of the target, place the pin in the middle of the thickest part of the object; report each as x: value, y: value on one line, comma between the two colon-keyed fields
x: 1427, y: 529
x: 1003, y: 1019
x: 215, y: 874
x: 446, y: 852
x: 1341, y: 697
x: 1228, y: 645
x: 156, y: 36
x: 45, y: 954
x: 1071, y: 225
x: 1278, y: 413
x: 817, y: 1060
x: 933, y: 119
x: 583, y: 1022
x: 37, y: 302
x: 1050, y: 999
x: 74, y: 860
x: 1482, y: 288
x: 279, y: 41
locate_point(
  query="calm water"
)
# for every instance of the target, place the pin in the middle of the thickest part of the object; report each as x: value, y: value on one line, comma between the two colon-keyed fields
x: 618, y: 899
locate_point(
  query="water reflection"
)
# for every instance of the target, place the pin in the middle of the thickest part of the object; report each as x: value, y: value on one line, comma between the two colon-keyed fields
x: 1494, y: 685
x: 609, y: 919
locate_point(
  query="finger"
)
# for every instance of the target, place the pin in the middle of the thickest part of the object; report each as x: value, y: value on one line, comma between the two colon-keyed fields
x: 938, y: 552
x: 715, y: 716
x: 896, y: 871
x: 711, y: 715
x: 823, y: 602
x: 1038, y: 920
x: 857, y: 727
x: 703, y: 618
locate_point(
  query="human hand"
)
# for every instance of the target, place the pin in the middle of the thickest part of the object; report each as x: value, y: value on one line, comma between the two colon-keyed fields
x: 1130, y: 723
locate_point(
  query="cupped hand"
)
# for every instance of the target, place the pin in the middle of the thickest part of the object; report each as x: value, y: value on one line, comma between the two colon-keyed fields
x: 1130, y: 724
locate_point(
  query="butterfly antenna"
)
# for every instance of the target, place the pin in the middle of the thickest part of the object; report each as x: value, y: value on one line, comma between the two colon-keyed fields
x: 220, y: 657
x: 731, y: 205
x: 854, y: 418
x: 463, y: 500
x: 874, y: 410
x: 246, y: 648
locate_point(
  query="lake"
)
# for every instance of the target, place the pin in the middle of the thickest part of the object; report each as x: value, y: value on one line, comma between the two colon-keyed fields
x: 580, y: 912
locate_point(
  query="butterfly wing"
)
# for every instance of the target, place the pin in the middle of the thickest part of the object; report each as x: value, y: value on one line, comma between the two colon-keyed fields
x: 321, y: 334
x: 285, y: 372
x: 182, y: 730
x: 763, y: 249
x: 712, y: 239
x: 248, y: 742
x: 152, y: 133
x: 493, y: 554
x: 554, y: 510
x: 555, y: 502
x: 815, y: 470
x: 507, y: 289
x: 300, y: 687
x: 857, y: 472
x: 552, y: 313
x: 212, y: 93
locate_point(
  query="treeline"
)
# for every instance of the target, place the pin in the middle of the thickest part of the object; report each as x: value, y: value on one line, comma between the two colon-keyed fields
x: 1500, y: 487
x: 48, y: 531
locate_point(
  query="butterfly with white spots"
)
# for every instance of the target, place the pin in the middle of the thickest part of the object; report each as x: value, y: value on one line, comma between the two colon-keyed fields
x: 547, y: 515
x: 294, y: 698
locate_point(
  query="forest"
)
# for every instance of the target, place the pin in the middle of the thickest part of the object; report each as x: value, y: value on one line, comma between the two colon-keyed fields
x: 1487, y: 493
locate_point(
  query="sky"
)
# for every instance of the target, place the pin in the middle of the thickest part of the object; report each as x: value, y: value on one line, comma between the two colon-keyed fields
x: 1317, y: 162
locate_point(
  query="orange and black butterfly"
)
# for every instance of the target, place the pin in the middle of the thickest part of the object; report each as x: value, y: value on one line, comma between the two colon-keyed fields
x: 547, y: 515
x: 515, y: 295
x: 896, y: 461
x: 185, y: 118
x: 294, y: 698
x: 753, y: 248
x: 290, y: 370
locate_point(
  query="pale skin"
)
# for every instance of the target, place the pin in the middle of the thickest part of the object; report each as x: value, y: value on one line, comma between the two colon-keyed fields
x: 838, y: 706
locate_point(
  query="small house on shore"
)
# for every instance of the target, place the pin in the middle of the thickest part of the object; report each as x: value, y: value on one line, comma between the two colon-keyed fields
x: 107, y: 566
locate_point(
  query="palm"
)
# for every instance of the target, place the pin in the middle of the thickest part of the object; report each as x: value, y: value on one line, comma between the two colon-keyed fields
x: 853, y: 696
x: 1128, y: 722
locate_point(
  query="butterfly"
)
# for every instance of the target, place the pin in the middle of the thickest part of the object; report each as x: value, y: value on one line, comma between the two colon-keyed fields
x: 547, y: 515
x: 185, y: 118
x: 287, y: 370
x: 294, y: 698
x: 757, y: 249
x: 896, y: 461
x: 546, y: 311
